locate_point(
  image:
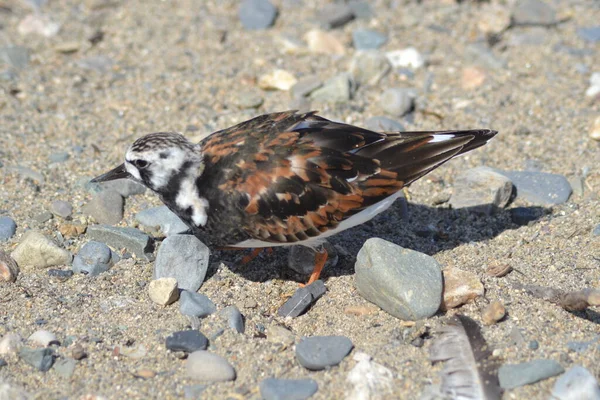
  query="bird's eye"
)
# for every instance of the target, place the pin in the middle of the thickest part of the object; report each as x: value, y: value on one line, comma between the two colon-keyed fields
x: 140, y: 164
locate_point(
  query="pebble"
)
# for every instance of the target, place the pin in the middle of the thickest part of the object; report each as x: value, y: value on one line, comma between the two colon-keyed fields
x: 167, y: 220
x: 460, y: 287
x: 94, y: 258
x: 287, y: 389
x: 302, y: 259
x: 136, y: 352
x: 494, y: 19
x: 515, y: 375
x: 361, y: 9
x: 8, y: 228
x: 533, y: 345
x: 3, y: 363
x: 65, y: 367
x: 61, y: 208
x: 368, y: 379
x: 9, y: 270
x: 596, y: 230
x: 187, y: 341
x: 532, y: 36
x: 398, y: 101
x: 37, y: 250
x: 493, y: 313
x: 40, y: 359
x: 194, y: 392
x: 99, y: 63
x: 195, y: 304
x: 302, y: 299
x: 72, y: 230
x: 43, y: 217
x: 481, y: 54
x: 322, y: 42
x: 248, y: 99
x: 185, y: 258
x: 10, y: 343
x: 367, y: 39
x: 39, y: 24
x: 106, y: 207
x: 15, y: 56
x: 594, y: 89
x: 576, y: 183
x: 43, y: 338
x: 125, y: 187
x: 278, y: 79
x: 405, y: 283
x: 257, y: 14
x: 131, y: 239
x: 533, y: 12
x: 209, y: 367
x: 589, y: 34
x: 335, y: 15
x: 319, y: 352
x: 235, y: 319
x: 409, y: 57
x: 576, y: 384
x: 305, y: 86
x: 594, y: 132
x: 163, y: 291
x: 540, y: 188
x: 384, y: 124
x: 473, y: 77
x: 369, y: 67
x: 481, y: 189
x: 280, y: 335
x: 77, y: 352
x: 336, y: 90
x: 59, y: 157
x: 290, y: 45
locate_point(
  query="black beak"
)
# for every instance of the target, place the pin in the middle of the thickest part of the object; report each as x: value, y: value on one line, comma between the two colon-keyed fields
x: 118, y: 173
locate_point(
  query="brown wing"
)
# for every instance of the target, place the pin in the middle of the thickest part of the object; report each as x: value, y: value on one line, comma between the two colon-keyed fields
x: 298, y: 175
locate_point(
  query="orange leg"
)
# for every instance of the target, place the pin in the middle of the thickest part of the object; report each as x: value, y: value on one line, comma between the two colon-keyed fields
x: 320, y: 260
x: 255, y: 253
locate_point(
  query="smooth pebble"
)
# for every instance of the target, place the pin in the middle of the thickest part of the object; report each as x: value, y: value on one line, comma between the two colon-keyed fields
x: 319, y: 352
x: 185, y: 258
x: 209, y: 367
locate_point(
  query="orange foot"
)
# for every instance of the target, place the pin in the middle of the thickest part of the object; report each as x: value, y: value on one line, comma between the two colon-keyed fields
x: 320, y: 260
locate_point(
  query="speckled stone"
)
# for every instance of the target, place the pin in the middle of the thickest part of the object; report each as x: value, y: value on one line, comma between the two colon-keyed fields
x: 37, y: 250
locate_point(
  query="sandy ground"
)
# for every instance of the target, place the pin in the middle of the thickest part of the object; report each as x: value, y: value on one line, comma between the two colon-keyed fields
x: 182, y: 68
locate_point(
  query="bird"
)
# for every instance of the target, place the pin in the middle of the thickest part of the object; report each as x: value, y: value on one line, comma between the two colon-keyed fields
x: 286, y: 178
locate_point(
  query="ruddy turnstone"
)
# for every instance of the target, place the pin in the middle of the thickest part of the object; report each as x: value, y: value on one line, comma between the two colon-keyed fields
x: 286, y: 178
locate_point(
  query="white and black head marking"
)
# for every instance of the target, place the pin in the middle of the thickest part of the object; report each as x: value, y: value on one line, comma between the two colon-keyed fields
x: 158, y: 158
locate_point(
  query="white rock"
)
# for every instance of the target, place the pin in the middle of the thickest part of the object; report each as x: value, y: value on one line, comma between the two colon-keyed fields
x: 278, y: 79
x: 43, y: 338
x: 209, y: 367
x: 408, y: 57
x: 576, y: 384
x: 37, y: 23
x: 37, y: 250
x: 10, y: 343
x: 368, y: 379
x: 163, y: 291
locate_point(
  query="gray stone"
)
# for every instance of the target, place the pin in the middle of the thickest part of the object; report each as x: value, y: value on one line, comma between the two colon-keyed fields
x: 94, y: 258
x: 361, y: 9
x: 61, y: 208
x: 43, y: 217
x: 235, y: 319
x: 3, y: 363
x: 187, y: 341
x: 479, y: 53
x: 533, y: 12
x: 125, y: 187
x: 589, y: 34
x: 98, y: 63
x: 368, y: 67
x: 8, y: 228
x: 131, y: 239
x: 319, y: 352
x: 106, y: 207
x: 37, y: 250
x: 185, y: 258
x: 405, y: 283
x: 257, y: 14
x: 287, y: 389
x: 59, y: 157
x: 539, y: 188
x: 40, y: 359
x: 195, y: 304
x: 398, y: 101
x: 302, y: 299
x: 302, y: 259
x: 335, y: 15
x: 65, y: 367
x: 338, y: 89
x: 596, y: 230
x: 576, y: 384
x: 515, y: 375
x: 305, y: 86
x: 367, y: 39
x: 28, y: 173
x: 249, y: 99
x: 383, y: 124
x: 482, y: 189
x: 533, y: 36
x: 209, y: 367
x: 60, y: 273
x: 167, y: 220
x: 15, y: 56
x: 576, y: 183
x: 193, y: 392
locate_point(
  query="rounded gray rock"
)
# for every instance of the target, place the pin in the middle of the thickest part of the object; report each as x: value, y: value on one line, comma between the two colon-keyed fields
x: 515, y: 375
x: 167, y: 220
x: 287, y: 389
x: 257, y: 14
x: 405, y: 283
x: 106, y: 207
x: 195, y: 304
x: 398, y: 102
x: 8, y: 227
x: 185, y: 258
x: 482, y: 189
x: 319, y: 352
x: 367, y: 39
x: 383, y: 124
x: 235, y: 319
x: 187, y: 341
x: 209, y: 367
x: 94, y: 258
x: 540, y: 188
x: 61, y: 208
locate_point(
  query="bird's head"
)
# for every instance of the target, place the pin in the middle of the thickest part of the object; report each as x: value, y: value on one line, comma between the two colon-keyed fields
x: 157, y: 160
